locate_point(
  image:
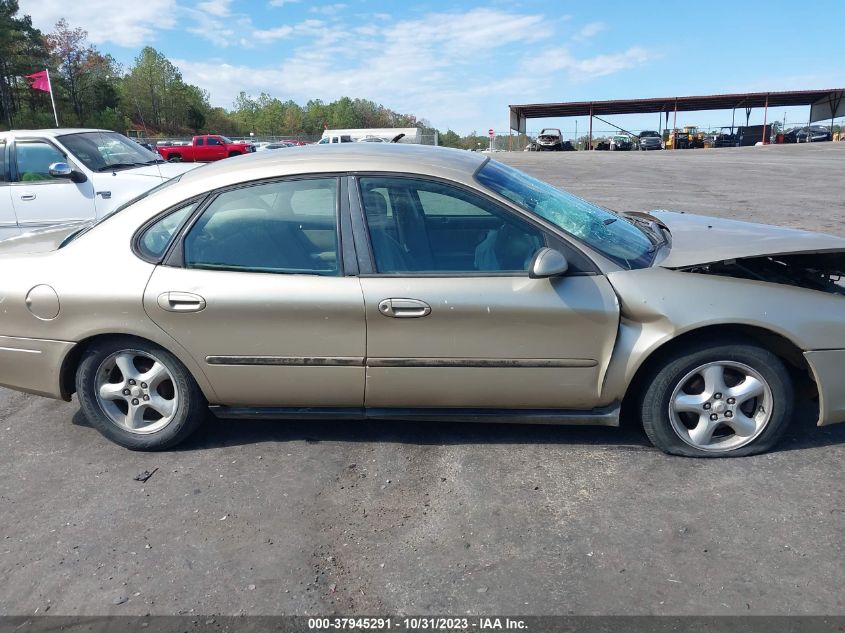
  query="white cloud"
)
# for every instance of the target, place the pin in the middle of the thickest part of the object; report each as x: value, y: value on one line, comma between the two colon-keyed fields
x: 561, y: 59
x: 328, y: 9
x: 281, y: 3
x: 417, y: 65
x: 268, y: 35
x: 590, y: 30
x: 133, y: 24
x: 442, y: 66
x: 220, y: 8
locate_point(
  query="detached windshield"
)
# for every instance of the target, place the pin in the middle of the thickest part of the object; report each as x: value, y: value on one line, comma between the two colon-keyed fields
x: 103, y: 151
x: 602, y: 230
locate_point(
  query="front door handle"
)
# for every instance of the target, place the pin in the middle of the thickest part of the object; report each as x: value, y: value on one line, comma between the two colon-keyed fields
x: 180, y: 302
x: 28, y: 196
x: 404, y: 308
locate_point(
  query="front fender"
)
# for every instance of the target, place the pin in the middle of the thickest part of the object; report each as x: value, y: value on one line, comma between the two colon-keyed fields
x: 658, y: 305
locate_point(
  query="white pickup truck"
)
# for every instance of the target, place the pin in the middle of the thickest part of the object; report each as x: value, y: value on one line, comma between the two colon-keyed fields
x: 70, y: 176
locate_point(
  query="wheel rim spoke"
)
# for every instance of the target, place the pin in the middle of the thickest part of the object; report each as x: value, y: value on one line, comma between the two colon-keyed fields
x: 165, y: 408
x: 112, y: 391
x: 155, y: 375
x: 125, y: 363
x: 135, y: 417
x: 714, y: 379
x: 742, y: 425
x: 687, y: 403
x: 703, y: 431
x: 747, y: 389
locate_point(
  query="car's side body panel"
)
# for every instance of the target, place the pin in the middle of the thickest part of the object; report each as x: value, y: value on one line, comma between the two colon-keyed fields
x: 32, y: 364
x: 93, y: 300
x: 509, y: 342
x: 658, y: 305
x: 269, y: 339
x: 827, y: 367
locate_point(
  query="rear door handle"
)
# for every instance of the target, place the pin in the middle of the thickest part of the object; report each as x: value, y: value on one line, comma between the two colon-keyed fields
x: 180, y: 302
x: 404, y: 308
x: 28, y: 196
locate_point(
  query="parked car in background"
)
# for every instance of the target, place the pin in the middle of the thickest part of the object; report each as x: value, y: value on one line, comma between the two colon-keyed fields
x: 394, y: 135
x: 649, y: 139
x: 204, y: 148
x: 464, y: 290
x: 620, y: 143
x: 260, y: 146
x: 812, y: 134
x: 334, y: 138
x: 279, y: 145
x: 71, y: 176
x: 549, y: 140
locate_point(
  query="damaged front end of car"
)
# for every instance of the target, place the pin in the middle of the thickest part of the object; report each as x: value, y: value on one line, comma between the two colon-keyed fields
x: 824, y: 272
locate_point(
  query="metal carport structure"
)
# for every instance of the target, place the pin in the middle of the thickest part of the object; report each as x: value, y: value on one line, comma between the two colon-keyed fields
x: 824, y: 104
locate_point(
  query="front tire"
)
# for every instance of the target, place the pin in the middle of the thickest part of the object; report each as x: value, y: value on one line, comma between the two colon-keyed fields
x: 726, y: 400
x: 138, y: 394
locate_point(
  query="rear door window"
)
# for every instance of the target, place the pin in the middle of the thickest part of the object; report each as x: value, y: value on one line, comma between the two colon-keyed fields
x: 280, y: 227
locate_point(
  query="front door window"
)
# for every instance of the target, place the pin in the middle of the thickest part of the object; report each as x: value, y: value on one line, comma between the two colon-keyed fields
x: 420, y: 226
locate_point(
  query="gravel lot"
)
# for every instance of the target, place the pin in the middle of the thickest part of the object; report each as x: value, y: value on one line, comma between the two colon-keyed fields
x: 269, y: 518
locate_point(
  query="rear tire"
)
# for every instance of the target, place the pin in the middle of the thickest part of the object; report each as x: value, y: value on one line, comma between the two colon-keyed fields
x: 138, y: 394
x: 730, y: 399
x: 174, y: 158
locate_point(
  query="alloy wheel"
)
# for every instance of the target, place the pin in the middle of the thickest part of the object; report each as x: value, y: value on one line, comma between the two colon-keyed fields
x: 720, y: 406
x: 136, y: 391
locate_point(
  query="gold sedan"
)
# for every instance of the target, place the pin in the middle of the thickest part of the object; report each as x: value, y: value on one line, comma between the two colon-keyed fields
x: 404, y: 282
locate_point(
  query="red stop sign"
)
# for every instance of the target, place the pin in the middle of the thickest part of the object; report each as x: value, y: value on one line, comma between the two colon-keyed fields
x: 491, y: 133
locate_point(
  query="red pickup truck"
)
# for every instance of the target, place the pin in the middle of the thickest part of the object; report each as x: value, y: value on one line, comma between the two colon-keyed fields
x: 207, y: 147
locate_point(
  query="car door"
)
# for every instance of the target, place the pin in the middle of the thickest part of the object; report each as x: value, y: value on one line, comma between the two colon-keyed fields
x: 255, y: 290
x: 40, y: 199
x: 214, y: 149
x: 453, y: 319
x: 8, y: 221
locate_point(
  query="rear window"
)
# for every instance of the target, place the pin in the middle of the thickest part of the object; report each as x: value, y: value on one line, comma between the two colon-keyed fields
x: 155, y: 240
x: 2, y: 160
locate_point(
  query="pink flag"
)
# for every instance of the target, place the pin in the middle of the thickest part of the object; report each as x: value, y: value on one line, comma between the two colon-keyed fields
x: 39, y: 80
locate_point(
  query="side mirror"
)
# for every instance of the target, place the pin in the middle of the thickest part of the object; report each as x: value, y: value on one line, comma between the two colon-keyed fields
x: 63, y: 170
x: 548, y: 263
x: 60, y: 170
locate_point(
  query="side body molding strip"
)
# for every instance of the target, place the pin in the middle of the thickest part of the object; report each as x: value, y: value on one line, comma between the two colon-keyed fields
x: 606, y: 416
x: 355, y: 361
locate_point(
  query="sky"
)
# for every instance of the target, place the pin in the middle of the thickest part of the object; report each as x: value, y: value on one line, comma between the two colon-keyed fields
x: 460, y: 64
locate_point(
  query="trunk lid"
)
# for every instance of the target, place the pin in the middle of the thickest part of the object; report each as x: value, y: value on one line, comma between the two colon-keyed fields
x: 40, y: 240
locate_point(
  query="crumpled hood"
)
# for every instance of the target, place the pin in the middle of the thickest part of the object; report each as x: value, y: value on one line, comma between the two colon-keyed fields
x: 700, y: 239
x: 40, y: 240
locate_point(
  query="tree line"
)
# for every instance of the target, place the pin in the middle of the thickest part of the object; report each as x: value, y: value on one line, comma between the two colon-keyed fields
x: 92, y: 89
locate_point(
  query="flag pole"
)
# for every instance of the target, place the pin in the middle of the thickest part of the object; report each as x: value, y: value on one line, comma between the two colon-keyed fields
x: 52, y: 100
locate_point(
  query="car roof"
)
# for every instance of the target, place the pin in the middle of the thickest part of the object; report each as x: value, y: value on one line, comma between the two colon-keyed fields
x: 52, y: 132
x: 345, y: 157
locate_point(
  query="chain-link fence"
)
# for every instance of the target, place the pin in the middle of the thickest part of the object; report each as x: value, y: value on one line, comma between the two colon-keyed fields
x: 425, y: 139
